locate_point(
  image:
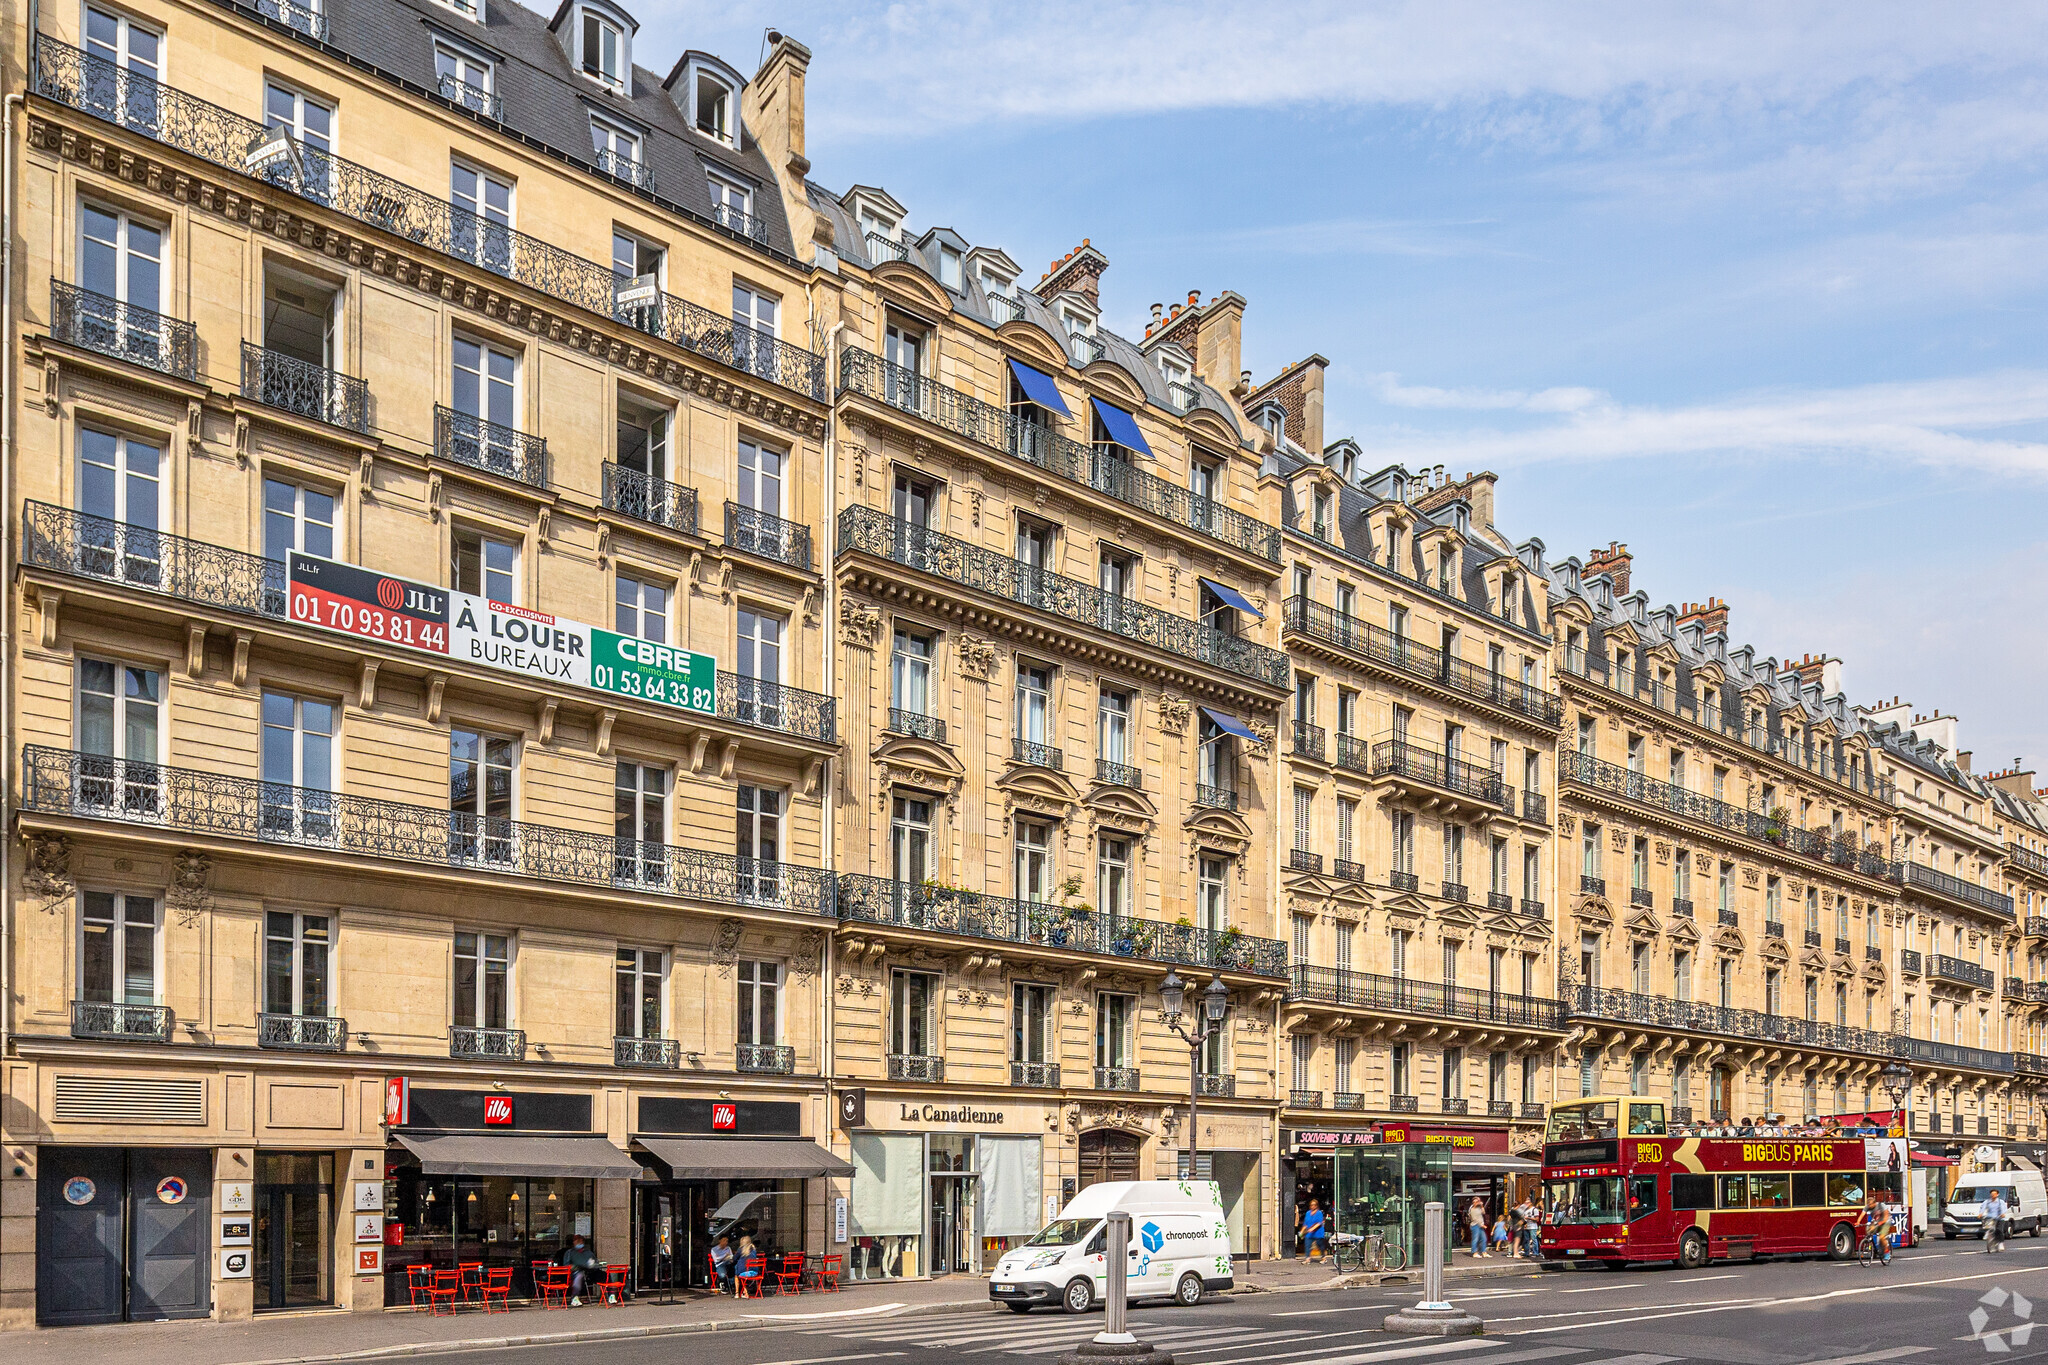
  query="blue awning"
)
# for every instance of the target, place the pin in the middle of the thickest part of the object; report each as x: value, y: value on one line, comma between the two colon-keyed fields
x: 1232, y: 597
x: 1231, y: 725
x: 1039, y: 388
x: 1122, y: 428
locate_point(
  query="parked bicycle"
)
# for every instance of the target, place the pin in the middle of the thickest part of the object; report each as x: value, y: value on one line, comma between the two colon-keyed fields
x: 1349, y: 1251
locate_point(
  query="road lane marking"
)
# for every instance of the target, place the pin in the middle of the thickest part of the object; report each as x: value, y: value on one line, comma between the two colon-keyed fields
x: 1591, y: 1312
x: 1698, y: 1279
x: 1318, y: 1312
x: 869, y: 1311
x: 1599, y: 1288
x: 1410, y: 1352
x: 1318, y: 1348
x: 1869, y: 1357
x: 826, y: 1360
x: 1639, y: 1358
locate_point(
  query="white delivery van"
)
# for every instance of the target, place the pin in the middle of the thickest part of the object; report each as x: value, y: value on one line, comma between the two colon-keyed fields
x: 2026, y: 1202
x: 1180, y: 1247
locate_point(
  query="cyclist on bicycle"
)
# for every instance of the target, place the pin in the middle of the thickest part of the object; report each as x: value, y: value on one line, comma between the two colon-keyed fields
x: 1878, y: 1232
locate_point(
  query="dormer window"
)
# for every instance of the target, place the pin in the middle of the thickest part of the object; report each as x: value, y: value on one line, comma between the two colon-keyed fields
x: 949, y: 268
x: 1274, y: 421
x: 713, y: 113
x: 601, y: 48
x: 995, y: 286
x: 1321, y: 525
x: 618, y: 152
x: 464, y: 78
x: 873, y: 224
x: 732, y: 203
x: 468, y: 9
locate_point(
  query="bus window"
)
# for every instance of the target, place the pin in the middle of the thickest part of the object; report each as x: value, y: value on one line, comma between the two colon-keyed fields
x: 1642, y: 1196
x: 1586, y: 1200
x: 1583, y: 1122
x: 1734, y: 1191
x: 1689, y: 1191
x: 1808, y: 1189
x: 1772, y: 1191
x: 1845, y: 1189
x: 1646, y: 1120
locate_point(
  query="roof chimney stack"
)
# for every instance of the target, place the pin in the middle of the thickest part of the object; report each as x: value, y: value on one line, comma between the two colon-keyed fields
x: 1712, y: 614
x: 1614, y: 561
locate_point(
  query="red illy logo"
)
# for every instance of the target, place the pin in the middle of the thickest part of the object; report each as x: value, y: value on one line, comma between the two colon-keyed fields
x: 725, y: 1116
x: 390, y: 594
x: 498, y: 1109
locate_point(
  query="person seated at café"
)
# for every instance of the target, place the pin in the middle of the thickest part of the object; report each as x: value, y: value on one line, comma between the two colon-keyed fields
x: 583, y: 1266
x: 721, y: 1264
x: 751, y: 1262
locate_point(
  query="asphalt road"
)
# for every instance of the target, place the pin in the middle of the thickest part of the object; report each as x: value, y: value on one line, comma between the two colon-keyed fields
x: 1770, y: 1313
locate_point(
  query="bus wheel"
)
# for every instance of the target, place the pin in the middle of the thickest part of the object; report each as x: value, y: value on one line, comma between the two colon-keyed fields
x: 1841, y: 1242
x: 1692, y: 1251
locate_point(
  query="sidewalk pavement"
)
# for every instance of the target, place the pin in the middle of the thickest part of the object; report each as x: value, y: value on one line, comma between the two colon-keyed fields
x: 275, y: 1339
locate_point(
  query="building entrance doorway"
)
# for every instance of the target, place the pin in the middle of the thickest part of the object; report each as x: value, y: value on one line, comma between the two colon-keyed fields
x: 1109, y: 1155
x: 294, y: 1229
x: 124, y: 1234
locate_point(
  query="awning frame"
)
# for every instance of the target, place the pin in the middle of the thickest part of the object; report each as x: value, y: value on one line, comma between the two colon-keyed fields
x: 697, y: 1157
x: 1039, y: 387
x: 1231, y: 725
x: 1121, y: 426
x: 571, y: 1157
x: 1232, y: 598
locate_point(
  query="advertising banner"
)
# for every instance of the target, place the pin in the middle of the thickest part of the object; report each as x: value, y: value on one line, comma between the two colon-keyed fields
x: 330, y: 595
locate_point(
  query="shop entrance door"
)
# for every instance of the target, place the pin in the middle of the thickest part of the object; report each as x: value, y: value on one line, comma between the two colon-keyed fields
x: 123, y: 1234
x: 1108, y: 1156
x: 952, y: 1222
x: 294, y: 1229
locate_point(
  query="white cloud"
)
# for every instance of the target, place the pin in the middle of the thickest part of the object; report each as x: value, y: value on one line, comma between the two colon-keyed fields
x: 1391, y: 391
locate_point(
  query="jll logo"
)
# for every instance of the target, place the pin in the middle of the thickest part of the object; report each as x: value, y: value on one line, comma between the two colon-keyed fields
x: 498, y: 1109
x: 390, y: 594
x: 725, y: 1116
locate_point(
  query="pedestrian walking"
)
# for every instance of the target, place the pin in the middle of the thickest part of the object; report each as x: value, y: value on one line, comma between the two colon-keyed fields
x: 1476, y: 1217
x: 1994, y: 1222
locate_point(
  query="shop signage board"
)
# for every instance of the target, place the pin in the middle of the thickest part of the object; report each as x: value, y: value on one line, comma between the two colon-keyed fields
x: 369, y: 1196
x: 1458, y: 1139
x: 237, y: 1230
x: 237, y: 1196
x: 370, y: 1260
x: 236, y: 1262
x: 497, y: 1111
x: 369, y: 1227
x: 345, y: 599
x: 397, y: 1101
x: 1336, y: 1137
x: 853, y: 1108
x: 839, y: 1218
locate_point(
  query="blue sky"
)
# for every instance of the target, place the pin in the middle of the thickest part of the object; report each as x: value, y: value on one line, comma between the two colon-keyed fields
x: 1758, y: 289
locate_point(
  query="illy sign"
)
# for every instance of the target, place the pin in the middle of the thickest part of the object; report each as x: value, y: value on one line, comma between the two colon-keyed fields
x: 725, y: 1116
x: 498, y: 1111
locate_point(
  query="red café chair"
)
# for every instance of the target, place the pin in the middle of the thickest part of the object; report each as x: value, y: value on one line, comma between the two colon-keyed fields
x: 554, y: 1287
x: 828, y: 1273
x: 447, y: 1284
x: 539, y: 1270
x: 747, y: 1284
x: 613, y: 1288
x: 419, y: 1286
x: 789, y: 1277
x: 472, y: 1280
x: 498, y: 1286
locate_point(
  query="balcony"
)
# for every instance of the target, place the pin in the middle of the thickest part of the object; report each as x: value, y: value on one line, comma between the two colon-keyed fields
x: 1956, y: 889
x: 1500, y: 901
x: 771, y: 1059
x: 417, y: 216
x: 1347, y: 1101
x: 292, y: 14
x: 466, y: 1043
x: 916, y: 1066
x: 82, y: 546
x: 2030, y: 1064
x: 125, y: 1023
x: 1694, y: 1016
x: 1536, y: 808
x: 474, y: 98
x: 1398, y: 654
x: 917, y: 725
x: 1353, y: 753
x: 2037, y: 992
x: 1454, y: 1104
x: 2028, y: 860
x: 490, y: 446
x: 1118, y: 774
x: 1590, y: 885
x: 1036, y: 755
x: 1532, y: 1110
x: 1116, y: 1078
x: 1640, y: 896
x: 1533, y: 909
x: 1500, y: 1109
x: 305, y: 390
x: 1218, y: 798
x: 1216, y: 1087
x: 973, y: 914
x: 2036, y: 926
x: 1774, y: 929
x: 1432, y: 999
x: 1454, y: 891
x: 123, y: 331
x: 1403, y: 1104
x: 1681, y: 908
x: 1404, y: 881
x: 622, y: 166
x: 1035, y: 1075
x: 991, y: 426
x: 1872, y: 953
x: 1308, y: 741
x: 1304, y: 1099
x: 1344, y: 870
x: 1413, y: 762
x: 1953, y: 1054
x: 1909, y: 961
x: 751, y: 226
x: 1301, y: 860
x: 869, y: 531
x: 64, y: 782
x: 2014, y: 988
x: 301, y: 1033
x: 1681, y: 1113
x: 1942, y: 967
x: 1726, y: 918
x: 650, y: 1054
x: 1638, y: 789
x: 643, y: 497
x: 1841, y: 947
x: 1812, y: 938
x: 768, y: 537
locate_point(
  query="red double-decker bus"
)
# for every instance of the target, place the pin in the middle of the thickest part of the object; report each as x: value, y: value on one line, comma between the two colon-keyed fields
x: 1618, y: 1186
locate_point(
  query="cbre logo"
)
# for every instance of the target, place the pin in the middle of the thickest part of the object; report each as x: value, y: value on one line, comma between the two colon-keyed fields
x: 390, y: 594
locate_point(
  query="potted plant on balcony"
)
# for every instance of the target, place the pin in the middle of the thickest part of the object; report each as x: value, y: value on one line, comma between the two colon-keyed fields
x: 1774, y: 825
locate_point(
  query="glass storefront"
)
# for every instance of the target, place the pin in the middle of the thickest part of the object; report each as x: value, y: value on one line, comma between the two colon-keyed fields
x: 1382, y: 1189
x: 450, y: 1220
x: 681, y: 1222
x: 294, y: 1229
x: 940, y: 1203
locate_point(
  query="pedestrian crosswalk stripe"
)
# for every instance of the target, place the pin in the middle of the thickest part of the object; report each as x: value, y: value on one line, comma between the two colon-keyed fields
x: 1411, y: 1352
x: 1322, y: 1341
x: 1640, y: 1358
x: 1193, y: 1337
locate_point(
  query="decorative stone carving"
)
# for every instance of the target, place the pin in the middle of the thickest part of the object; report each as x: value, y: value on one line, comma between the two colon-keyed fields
x: 810, y: 952
x: 726, y: 951
x: 1566, y: 824
x: 1263, y: 745
x: 977, y: 658
x: 859, y: 623
x: 46, y: 873
x: 188, y: 895
x: 1174, y: 713
x: 1619, y: 838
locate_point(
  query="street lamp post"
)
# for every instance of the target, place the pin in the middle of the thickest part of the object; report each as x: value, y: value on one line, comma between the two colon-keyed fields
x: 1897, y: 1079
x: 1215, y: 1010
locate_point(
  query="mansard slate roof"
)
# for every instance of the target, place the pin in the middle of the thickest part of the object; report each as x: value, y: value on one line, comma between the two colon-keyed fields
x: 851, y: 246
x: 1908, y: 748
x: 547, y: 101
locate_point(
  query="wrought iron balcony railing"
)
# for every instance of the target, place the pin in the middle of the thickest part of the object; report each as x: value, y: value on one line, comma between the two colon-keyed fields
x: 776, y: 1059
x: 1696, y: 1017
x: 1532, y: 1109
x: 1535, y: 807
x: 1353, y: 753
x: 874, y: 532
x: 65, y: 782
x: 1812, y: 939
x: 1218, y: 1087
x: 881, y: 248
x: 1454, y: 891
x: 74, y: 543
x: 1590, y: 885
x: 1221, y: 798
x: 491, y: 446
x: 2037, y: 992
x: 1841, y: 947
x: 133, y: 101
x: 1727, y: 918
x: 2014, y: 988
x: 986, y: 424
x: 771, y: 537
x: 1038, y: 755
x: 1872, y: 953
x: 917, y: 725
x: 2036, y: 926
x: 1642, y: 790
x: 2030, y: 1064
x: 1420, y: 763
x: 1501, y: 901
x: 474, y: 98
x: 124, y: 331
x: 916, y: 1066
x: 487, y: 1044
x: 1642, y: 896
x: 750, y: 226
x: 1404, y: 881
x: 1956, y: 889
x: 1347, y: 1101
x: 624, y: 166
x: 1533, y: 909
x: 1118, y: 774
x: 306, y: 390
x: 1434, y: 999
x: 1909, y: 961
x: 2028, y: 860
x: 1304, y: 1099
x: 1774, y: 929
x: 112, y: 1020
x: 1952, y: 1054
x: 1681, y: 907
x: 305, y: 18
x: 1402, y: 655
x: 302, y: 1032
x: 1302, y: 860
x: 654, y: 1054
x: 1116, y: 1078
x: 644, y: 497
x: 974, y: 914
x: 1403, y: 1104
x: 1345, y: 870
x: 1455, y: 1104
x: 1681, y: 1113
x: 1963, y: 973
x: 1037, y: 1075
x: 1308, y: 741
